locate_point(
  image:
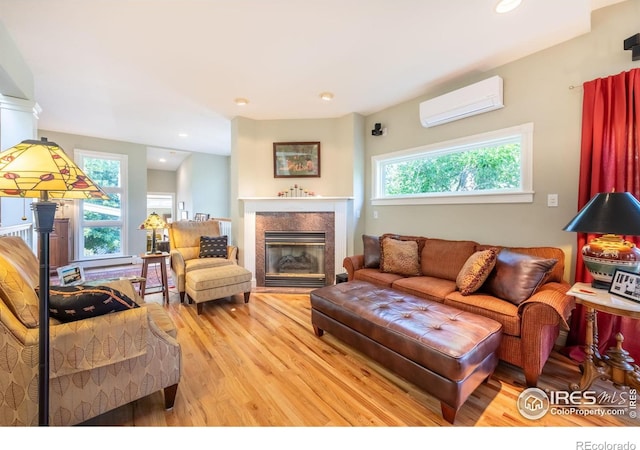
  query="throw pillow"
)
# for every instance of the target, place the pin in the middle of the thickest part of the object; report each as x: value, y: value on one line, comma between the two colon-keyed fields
x: 399, y: 237
x: 517, y: 276
x: 476, y: 270
x: 213, y: 247
x: 69, y: 303
x: 400, y: 257
x: 371, y: 251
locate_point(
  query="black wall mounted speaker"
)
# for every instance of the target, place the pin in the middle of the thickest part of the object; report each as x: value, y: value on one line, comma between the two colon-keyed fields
x: 633, y: 43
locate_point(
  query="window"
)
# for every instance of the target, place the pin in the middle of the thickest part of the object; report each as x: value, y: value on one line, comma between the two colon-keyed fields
x: 494, y: 167
x: 100, y: 232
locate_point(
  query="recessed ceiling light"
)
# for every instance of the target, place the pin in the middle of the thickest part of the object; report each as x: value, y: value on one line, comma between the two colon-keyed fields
x: 162, y: 160
x: 183, y: 134
x: 504, y: 6
x: 326, y: 96
x: 241, y: 101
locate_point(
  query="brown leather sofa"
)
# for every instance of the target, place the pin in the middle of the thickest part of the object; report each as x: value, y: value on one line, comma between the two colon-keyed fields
x: 530, y: 327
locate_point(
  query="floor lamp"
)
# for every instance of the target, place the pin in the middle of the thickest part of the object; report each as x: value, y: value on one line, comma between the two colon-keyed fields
x: 41, y: 169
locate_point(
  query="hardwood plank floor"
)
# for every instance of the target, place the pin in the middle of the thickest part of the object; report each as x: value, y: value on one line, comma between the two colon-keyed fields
x: 260, y: 365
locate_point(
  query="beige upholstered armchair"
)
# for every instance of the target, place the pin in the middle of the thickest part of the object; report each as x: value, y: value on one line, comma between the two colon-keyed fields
x: 96, y: 364
x: 184, y: 242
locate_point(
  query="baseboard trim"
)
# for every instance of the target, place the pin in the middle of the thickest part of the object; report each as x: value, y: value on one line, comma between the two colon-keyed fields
x: 106, y: 262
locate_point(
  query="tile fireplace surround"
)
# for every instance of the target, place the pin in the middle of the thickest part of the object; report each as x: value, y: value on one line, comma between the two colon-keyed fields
x: 297, y: 207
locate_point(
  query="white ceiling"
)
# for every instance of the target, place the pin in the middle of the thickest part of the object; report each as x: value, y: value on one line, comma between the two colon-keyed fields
x: 144, y: 71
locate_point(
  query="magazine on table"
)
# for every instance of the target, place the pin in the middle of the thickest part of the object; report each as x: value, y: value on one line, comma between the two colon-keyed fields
x: 71, y: 275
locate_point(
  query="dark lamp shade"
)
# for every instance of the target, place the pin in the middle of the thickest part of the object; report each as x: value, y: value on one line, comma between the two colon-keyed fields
x: 608, y: 213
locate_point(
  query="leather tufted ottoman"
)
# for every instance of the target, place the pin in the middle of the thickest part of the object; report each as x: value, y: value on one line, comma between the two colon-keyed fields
x: 443, y: 350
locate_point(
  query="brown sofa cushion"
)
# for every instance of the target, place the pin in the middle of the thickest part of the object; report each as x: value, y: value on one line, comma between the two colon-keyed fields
x: 418, y: 239
x: 375, y: 276
x: 371, y: 251
x: 517, y: 276
x: 557, y: 274
x: 476, y: 270
x: 400, y: 257
x: 443, y: 258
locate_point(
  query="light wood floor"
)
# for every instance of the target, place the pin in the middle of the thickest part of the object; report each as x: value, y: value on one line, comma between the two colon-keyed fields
x: 260, y: 364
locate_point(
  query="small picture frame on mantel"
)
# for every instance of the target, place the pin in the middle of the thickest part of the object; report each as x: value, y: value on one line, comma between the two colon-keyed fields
x: 626, y: 284
x: 296, y: 159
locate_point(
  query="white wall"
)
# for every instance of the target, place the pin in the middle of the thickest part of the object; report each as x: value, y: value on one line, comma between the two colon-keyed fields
x: 16, y: 79
x: 17, y: 123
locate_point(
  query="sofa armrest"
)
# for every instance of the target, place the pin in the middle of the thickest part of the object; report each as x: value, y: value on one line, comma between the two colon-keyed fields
x: 553, y: 294
x: 353, y: 263
x: 177, y: 261
x: 98, y: 341
x: 232, y: 253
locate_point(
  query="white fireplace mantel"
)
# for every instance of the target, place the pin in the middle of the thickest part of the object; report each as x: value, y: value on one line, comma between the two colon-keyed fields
x: 253, y: 205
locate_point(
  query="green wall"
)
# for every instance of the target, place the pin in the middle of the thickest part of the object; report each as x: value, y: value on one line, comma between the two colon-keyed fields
x: 544, y: 88
x: 136, y: 178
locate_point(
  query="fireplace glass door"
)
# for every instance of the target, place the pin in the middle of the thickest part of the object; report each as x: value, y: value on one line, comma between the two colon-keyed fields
x: 295, y: 258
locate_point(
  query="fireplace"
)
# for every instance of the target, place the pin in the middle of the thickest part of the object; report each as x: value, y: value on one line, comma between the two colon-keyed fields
x: 299, y: 238
x: 294, y: 258
x: 326, y: 214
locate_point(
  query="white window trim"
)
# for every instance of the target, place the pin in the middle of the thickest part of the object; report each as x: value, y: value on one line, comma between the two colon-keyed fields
x: 522, y: 195
x: 79, y: 156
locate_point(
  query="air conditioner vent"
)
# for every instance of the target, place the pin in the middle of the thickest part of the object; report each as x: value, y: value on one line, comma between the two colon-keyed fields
x: 477, y: 98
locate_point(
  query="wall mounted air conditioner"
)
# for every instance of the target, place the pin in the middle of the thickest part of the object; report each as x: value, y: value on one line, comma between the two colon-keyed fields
x: 476, y: 98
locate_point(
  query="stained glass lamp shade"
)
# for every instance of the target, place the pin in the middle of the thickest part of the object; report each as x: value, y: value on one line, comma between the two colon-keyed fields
x: 42, y: 169
x: 36, y: 168
x: 153, y: 222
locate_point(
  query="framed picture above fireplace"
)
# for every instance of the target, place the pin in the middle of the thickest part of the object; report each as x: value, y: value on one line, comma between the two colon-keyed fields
x: 296, y: 159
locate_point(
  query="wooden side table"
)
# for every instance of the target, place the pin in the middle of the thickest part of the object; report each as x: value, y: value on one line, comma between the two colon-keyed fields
x: 155, y: 258
x: 616, y: 365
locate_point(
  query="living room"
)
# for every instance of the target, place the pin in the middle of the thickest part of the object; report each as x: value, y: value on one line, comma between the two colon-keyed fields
x: 544, y: 88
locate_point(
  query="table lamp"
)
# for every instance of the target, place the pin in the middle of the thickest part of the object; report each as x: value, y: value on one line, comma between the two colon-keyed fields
x: 41, y: 169
x: 614, y: 215
x: 153, y: 222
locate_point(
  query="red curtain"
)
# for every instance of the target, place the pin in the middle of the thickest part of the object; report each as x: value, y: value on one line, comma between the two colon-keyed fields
x: 609, y: 162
